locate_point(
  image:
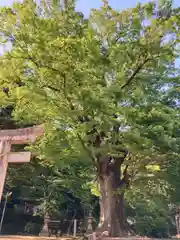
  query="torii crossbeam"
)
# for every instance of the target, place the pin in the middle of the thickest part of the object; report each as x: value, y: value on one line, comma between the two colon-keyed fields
x: 15, y: 136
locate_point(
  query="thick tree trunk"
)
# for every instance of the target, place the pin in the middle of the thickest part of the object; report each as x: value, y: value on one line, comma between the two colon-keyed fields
x: 112, y: 188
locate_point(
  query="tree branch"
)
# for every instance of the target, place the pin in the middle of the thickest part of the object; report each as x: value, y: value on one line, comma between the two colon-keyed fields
x: 125, y: 170
x: 137, y: 70
x: 52, y: 88
x: 122, y: 159
x: 85, y: 147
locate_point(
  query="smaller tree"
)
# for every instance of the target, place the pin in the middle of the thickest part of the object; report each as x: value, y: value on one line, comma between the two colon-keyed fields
x: 61, y: 192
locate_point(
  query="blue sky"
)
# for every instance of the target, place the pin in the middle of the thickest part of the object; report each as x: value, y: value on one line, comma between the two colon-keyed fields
x: 86, y: 5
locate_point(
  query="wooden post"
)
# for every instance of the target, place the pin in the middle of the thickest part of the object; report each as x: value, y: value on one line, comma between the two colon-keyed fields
x: 75, y: 227
x: 5, y: 147
x: 4, y: 209
x: 177, y: 220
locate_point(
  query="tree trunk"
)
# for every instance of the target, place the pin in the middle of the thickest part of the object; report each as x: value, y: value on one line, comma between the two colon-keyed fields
x: 112, y: 188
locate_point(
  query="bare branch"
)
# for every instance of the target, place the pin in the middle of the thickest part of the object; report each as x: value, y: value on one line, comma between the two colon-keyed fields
x: 50, y: 87
x: 125, y: 170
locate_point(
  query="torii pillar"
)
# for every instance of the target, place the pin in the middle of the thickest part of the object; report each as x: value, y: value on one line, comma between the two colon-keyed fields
x: 15, y: 136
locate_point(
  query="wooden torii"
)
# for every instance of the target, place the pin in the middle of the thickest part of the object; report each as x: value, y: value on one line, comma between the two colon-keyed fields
x: 15, y: 136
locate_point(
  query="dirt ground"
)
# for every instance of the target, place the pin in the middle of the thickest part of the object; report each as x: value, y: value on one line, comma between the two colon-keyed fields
x: 23, y: 238
x: 29, y: 238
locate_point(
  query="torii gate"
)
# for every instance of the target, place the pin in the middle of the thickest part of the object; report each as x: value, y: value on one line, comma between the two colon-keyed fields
x: 15, y: 136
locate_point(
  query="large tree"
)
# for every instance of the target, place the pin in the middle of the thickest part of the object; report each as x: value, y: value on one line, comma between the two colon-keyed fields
x: 102, y: 86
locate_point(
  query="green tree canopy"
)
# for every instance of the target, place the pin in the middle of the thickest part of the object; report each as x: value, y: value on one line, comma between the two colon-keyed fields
x: 105, y: 87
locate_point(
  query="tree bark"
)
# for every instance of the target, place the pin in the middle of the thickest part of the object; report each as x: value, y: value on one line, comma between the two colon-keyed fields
x: 112, y: 188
